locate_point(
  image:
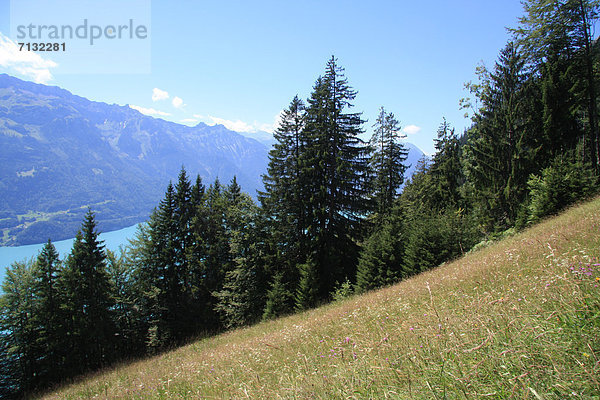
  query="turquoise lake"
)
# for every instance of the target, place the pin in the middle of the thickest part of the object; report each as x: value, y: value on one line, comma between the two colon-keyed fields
x: 112, y: 240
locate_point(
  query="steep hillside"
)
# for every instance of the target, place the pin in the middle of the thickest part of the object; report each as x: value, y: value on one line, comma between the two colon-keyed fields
x: 60, y: 153
x: 518, y: 319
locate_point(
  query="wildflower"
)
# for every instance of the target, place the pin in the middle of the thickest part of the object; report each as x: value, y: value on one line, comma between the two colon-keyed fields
x: 586, y: 355
x: 347, y: 340
x: 411, y: 329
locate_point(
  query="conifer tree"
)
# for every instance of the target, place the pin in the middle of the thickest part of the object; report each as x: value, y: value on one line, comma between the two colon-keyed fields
x: 335, y: 166
x: 502, y: 143
x: 557, y: 41
x: 88, y: 302
x: 127, y: 316
x: 48, y: 316
x: 158, y: 272
x: 18, y: 330
x: 387, y: 160
x: 279, y: 299
x: 138, y: 259
x: 285, y: 206
x: 182, y: 246
x: 446, y: 171
x: 240, y: 300
x: 307, y: 295
x: 380, y: 261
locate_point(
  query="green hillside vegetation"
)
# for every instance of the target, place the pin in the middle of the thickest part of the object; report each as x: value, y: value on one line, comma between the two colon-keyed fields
x: 336, y: 218
x: 518, y: 319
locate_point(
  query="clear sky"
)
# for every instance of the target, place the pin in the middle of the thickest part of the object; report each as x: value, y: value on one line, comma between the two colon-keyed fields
x: 241, y: 62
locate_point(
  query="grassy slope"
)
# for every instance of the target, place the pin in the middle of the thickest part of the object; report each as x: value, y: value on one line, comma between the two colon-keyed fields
x: 519, y: 319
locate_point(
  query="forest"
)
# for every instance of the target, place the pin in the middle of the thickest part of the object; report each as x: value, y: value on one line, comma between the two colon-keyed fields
x: 335, y: 217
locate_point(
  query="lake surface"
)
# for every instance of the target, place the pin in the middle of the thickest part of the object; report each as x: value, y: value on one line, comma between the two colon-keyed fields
x: 112, y: 240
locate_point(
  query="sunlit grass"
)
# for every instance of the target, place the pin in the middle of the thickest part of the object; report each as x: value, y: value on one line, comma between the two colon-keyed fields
x: 518, y: 319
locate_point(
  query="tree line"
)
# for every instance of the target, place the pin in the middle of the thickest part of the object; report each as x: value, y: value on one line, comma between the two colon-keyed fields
x: 335, y: 217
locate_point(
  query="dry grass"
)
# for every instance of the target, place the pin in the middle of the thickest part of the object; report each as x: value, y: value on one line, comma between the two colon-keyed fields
x: 519, y: 319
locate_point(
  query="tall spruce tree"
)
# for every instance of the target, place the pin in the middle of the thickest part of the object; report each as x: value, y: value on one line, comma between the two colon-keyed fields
x: 446, y: 171
x: 335, y: 166
x: 137, y: 258
x: 183, y: 243
x: 387, y: 160
x: 502, y: 141
x: 218, y: 259
x: 162, y: 288
x: 285, y: 207
x: 88, y: 302
x: 48, y: 316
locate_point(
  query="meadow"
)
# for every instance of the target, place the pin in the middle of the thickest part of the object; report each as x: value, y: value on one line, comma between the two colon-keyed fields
x: 519, y: 318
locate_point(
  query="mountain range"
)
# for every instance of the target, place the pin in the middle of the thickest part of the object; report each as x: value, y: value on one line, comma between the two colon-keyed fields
x: 61, y: 153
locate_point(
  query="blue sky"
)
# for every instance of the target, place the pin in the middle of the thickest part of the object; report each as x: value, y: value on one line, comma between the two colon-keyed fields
x: 241, y: 62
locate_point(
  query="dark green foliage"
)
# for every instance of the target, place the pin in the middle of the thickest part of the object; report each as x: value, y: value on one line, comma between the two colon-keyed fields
x: 127, y: 316
x: 48, y: 316
x: 387, y: 160
x: 307, y: 294
x: 502, y: 142
x: 565, y: 182
x: 10, y: 379
x: 242, y: 297
x: 158, y: 273
x: 537, y: 105
x: 436, y: 238
x: 335, y: 164
x: 88, y: 302
x: 317, y: 192
x: 211, y: 233
x: 284, y: 203
x: 198, y: 265
x: 446, y: 170
x: 18, y: 329
x: 280, y: 299
x: 380, y: 262
x: 557, y: 40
